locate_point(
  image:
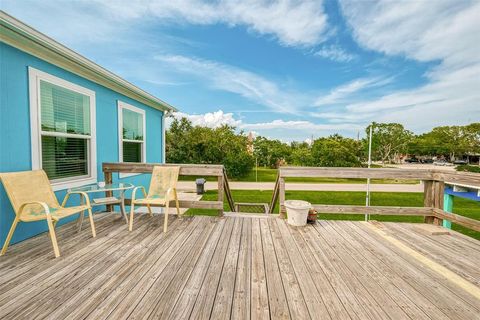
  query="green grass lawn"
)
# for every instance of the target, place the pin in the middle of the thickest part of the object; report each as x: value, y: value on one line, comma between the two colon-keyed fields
x: 270, y: 175
x: 467, y: 208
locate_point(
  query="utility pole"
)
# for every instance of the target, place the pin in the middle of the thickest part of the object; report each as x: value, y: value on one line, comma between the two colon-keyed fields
x: 367, y: 200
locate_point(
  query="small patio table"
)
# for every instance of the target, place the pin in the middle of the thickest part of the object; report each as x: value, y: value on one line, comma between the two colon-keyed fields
x: 95, y: 188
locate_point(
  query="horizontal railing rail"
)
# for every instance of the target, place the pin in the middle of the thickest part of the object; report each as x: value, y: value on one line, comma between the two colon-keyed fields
x: 433, y: 180
x: 380, y: 210
x: 208, y: 170
x: 352, y: 173
x: 203, y: 170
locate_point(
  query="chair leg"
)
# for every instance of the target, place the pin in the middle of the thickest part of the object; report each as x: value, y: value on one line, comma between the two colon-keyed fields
x: 177, y: 204
x: 165, y: 223
x: 150, y: 210
x: 90, y: 216
x: 130, y: 224
x: 9, y: 236
x: 51, y: 230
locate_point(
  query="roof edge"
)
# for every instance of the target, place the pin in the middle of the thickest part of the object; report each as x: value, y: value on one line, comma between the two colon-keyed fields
x: 25, y: 38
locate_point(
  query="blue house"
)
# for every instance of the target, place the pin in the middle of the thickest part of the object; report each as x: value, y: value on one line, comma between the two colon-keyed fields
x: 63, y: 113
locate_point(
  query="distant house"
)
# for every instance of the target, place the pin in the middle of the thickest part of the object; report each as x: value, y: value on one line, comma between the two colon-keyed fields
x: 63, y: 113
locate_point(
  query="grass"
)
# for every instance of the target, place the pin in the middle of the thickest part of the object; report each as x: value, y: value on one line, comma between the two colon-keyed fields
x: 270, y: 175
x: 465, y: 207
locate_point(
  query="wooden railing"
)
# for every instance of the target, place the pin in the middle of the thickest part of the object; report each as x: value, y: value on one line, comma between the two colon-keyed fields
x: 433, y: 180
x: 200, y: 170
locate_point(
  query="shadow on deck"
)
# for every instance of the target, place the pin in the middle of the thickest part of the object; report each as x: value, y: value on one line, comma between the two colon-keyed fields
x: 237, y: 267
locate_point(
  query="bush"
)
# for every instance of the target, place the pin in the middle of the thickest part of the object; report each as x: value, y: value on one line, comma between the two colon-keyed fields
x: 468, y: 168
x: 194, y: 144
x: 335, y: 151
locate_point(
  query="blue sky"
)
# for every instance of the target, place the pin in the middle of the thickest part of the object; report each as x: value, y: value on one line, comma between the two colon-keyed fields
x: 284, y: 69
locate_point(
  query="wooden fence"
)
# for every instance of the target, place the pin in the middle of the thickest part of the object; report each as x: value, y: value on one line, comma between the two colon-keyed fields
x: 433, y: 180
x: 217, y: 171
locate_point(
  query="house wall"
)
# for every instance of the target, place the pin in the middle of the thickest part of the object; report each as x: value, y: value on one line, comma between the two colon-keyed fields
x: 15, y: 143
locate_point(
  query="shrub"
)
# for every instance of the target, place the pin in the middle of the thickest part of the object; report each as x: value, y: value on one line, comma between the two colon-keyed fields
x: 468, y: 168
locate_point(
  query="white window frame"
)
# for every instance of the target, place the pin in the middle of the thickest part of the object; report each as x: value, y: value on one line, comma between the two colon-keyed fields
x: 35, y: 76
x: 123, y: 105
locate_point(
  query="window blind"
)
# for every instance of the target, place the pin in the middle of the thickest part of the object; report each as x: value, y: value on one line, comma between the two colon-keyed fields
x: 64, y: 110
x: 66, y: 129
x: 132, y: 151
x: 64, y: 157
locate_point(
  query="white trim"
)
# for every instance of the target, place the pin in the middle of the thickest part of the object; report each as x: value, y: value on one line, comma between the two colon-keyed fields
x: 164, y: 139
x: 23, y: 37
x: 34, y: 77
x: 120, y: 106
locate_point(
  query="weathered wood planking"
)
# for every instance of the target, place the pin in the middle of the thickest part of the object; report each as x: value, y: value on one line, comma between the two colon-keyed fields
x: 392, y: 270
x: 458, y: 219
x: 203, y: 204
x: 273, y: 201
x: 434, y: 186
x: 185, y: 169
x: 379, y: 210
x: 259, y: 294
x: 461, y: 178
x: 227, y: 190
x: 373, y: 173
x: 205, y: 297
x: 281, y: 198
x: 240, y: 267
x: 425, y: 278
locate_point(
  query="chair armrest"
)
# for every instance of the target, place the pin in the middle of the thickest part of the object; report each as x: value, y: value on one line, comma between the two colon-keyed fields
x: 134, y: 192
x: 43, y: 204
x: 82, y: 193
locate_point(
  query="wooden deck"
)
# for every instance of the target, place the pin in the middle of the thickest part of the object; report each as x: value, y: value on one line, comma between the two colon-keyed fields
x: 242, y: 268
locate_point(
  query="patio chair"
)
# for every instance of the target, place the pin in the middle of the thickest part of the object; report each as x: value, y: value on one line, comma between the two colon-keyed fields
x: 33, y: 199
x: 162, y: 190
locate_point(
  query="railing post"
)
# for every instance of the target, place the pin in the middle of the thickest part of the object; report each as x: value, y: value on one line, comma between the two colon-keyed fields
x: 448, y: 207
x: 433, y: 198
x: 220, y: 193
x: 439, y: 189
x: 428, y: 198
x: 281, y: 197
x: 108, y: 180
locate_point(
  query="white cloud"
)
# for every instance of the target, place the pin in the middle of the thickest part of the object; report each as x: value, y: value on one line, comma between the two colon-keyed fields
x: 335, y: 53
x: 443, y: 31
x: 343, y: 92
x: 235, y: 80
x: 298, y: 125
x: 210, y: 119
x: 219, y: 118
x: 292, y: 22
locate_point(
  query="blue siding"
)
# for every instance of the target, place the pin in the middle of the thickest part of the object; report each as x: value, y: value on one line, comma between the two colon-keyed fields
x: 15, y: 149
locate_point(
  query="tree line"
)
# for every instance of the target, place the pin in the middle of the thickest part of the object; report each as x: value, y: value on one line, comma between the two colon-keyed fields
x: 390, y: 141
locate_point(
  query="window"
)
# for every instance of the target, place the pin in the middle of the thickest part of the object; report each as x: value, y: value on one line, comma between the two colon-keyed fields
x: 62, y: 119
x: 131, y: 124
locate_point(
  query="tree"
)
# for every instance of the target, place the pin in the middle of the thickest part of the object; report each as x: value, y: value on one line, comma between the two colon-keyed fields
x: 300, y: 154
x: 335, y: 151
x: 195, y: 144
x: 388, y: 140
x: 270, y: 153
x: 472, y: 132
x: 451, y: 141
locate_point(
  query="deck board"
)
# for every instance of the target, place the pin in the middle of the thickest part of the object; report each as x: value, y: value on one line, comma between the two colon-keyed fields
x: 241, y: 267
